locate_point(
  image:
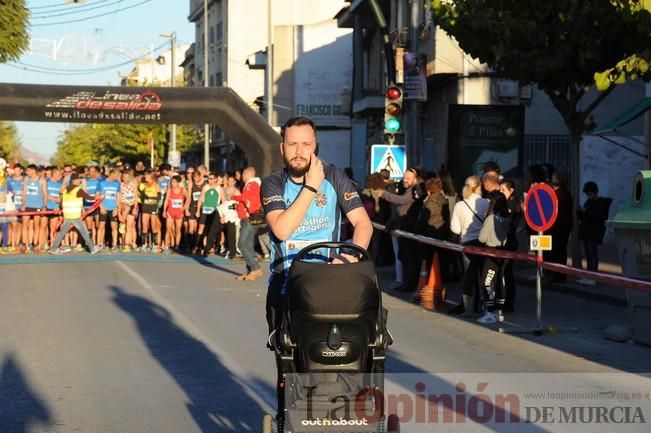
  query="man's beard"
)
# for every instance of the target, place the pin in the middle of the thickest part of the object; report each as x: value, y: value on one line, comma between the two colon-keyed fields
x: 296, y: 172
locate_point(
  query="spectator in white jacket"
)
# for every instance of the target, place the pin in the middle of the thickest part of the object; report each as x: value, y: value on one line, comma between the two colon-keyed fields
x: 466, y: 221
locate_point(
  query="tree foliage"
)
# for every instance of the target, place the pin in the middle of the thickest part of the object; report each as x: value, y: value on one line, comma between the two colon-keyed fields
x: 558, y: 44
x: 123, y: 142
x: 9, y: 141
x: 636, y: 65
x: 14, y: 38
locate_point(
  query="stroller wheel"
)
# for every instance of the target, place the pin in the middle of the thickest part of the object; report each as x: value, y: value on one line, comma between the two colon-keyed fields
x: 393, y: 424
x: 267, y: 424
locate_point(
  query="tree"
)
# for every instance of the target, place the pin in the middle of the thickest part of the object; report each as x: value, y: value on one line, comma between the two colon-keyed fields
x: 9, y: 142
x: 123, y: 142
x: 76, y: 146
x: 14, y: 38
x: 557, y: 44
x: 636, y: 65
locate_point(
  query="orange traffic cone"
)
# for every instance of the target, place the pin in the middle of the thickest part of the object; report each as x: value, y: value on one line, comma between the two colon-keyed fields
x: 436, y: 281
x: 422, y: 282
x: 432, y: 293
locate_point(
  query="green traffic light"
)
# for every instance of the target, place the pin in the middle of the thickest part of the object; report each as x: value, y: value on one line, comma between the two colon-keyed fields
x: 392, y: 125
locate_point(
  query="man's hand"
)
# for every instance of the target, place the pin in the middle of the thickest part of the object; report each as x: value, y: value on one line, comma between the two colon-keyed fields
x: 315, y: 174
x: 337, y: 261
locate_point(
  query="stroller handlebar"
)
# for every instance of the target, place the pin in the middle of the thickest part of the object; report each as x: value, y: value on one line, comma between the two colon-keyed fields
x: 364, y: 255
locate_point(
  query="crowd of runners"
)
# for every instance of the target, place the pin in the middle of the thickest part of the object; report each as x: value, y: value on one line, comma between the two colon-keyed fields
x: 126, y: 209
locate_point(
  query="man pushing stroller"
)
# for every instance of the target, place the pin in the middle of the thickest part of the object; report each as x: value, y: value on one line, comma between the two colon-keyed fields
x: 304, y: 203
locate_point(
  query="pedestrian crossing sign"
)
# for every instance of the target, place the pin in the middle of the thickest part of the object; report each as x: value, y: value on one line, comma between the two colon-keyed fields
x: 392, y: 158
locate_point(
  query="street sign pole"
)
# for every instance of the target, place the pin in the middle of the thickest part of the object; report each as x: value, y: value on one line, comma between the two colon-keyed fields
x: 540, y: 211
x: 539, y: 270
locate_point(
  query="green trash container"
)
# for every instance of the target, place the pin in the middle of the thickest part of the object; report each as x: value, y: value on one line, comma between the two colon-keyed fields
x: 632, y: 226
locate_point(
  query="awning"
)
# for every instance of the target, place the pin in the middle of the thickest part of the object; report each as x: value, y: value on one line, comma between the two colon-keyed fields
x: 628, y: 116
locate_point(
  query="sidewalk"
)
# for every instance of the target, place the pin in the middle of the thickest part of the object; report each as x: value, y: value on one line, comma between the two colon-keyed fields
x: 561, y: 308
x: 608, y: 262
x: 608, y: 259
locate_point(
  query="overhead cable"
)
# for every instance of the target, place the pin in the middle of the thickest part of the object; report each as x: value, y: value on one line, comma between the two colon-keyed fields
x: 92, y: 16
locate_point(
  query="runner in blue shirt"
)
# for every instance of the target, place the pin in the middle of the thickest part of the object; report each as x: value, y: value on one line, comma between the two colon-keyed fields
x: 165, y: 171
x: 54, y: 186
x: 109, y: 190
x: 34, y: 199
x: 303, y: 204
x: 91, y: 186
x: 164, y: 179
x: 15, y: 186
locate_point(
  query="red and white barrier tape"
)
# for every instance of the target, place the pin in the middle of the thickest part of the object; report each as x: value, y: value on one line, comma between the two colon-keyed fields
x: 49, y: 212
x: 30, y: 213
x: 610, y: 279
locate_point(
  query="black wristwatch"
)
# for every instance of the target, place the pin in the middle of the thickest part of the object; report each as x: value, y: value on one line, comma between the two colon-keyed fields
x: 356, y: 254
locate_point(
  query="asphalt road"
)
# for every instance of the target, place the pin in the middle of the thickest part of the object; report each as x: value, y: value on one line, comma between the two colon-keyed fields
x: 141, y: 346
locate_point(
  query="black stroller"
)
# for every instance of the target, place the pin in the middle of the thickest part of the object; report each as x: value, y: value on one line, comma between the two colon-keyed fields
x: 331, y: 345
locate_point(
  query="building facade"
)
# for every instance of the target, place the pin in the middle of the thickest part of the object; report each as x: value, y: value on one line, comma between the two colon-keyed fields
x: 156, y: 69
x: 312, y: 65
x: 470, y: 116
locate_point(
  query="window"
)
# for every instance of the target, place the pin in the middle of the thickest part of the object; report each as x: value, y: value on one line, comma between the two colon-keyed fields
x: 218, y: 79
x: 212, y: 81
x: 211, y: 36
x: 220, y: 30
x: 552, y: 149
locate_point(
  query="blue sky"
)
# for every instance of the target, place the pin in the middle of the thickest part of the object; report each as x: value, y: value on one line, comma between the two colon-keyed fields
x: 90, y: 44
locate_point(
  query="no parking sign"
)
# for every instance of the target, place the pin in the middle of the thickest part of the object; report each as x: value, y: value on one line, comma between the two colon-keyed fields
x: 541, y: 207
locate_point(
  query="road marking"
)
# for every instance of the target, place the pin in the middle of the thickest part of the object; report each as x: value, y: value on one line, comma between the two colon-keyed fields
x: 110, y: 257
x: 264, y: 399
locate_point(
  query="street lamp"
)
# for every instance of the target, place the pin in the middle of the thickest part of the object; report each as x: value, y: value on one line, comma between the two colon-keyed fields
x: 270, y: 60
x: 206, y: 138
x: 172, y: 38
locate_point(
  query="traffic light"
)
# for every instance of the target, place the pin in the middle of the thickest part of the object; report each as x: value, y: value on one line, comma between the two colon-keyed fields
x: 393, y: 110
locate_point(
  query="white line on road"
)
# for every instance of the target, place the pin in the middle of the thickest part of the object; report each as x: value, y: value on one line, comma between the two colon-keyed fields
x: 266, y: 401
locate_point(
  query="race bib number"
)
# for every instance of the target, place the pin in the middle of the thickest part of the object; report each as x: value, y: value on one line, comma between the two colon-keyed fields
x: 207, y: 210
x: 129, y: 197
x: 293, y: 247
x: 32, y: 190
x: 177, y: 203
x: 18, y: 200
x: 196, y: 195
x: 111, y: 195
